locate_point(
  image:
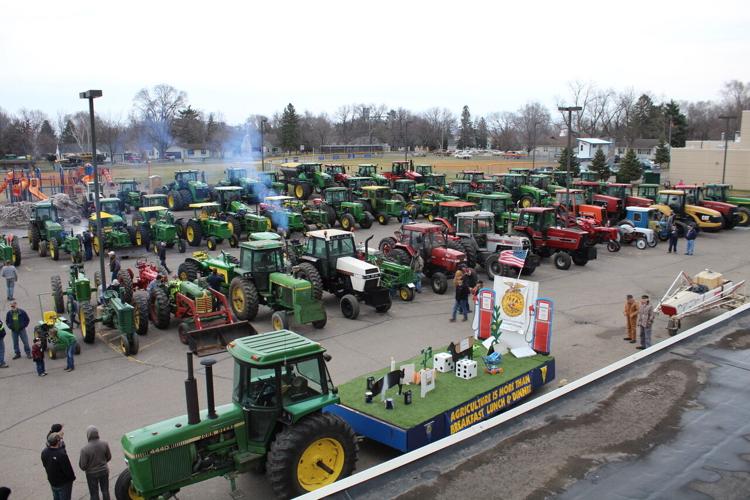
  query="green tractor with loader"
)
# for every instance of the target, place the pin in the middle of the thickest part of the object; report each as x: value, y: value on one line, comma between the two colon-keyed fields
x: 242, y: 218
x: 186, y: 189
x: 206, y: 224
x: 156, y: 225
x: 44, y: 225
x: 259, y: 278
x: 275, y: 422
x: 337, y: 203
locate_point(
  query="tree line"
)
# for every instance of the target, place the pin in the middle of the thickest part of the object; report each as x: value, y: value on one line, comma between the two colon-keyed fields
x: 162, y: 117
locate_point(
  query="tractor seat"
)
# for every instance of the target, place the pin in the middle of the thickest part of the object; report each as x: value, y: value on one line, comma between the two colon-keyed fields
x: 50, y: 317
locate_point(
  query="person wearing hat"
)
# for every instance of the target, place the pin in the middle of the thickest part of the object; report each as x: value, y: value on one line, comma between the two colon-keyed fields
x: 58, y: 428
x: 37, y: 354
x: 114, y: 265
x: 59, y: 470
x: 17, y: 320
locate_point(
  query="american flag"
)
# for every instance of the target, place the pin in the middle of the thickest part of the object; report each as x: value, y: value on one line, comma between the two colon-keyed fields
x: 514, y: 258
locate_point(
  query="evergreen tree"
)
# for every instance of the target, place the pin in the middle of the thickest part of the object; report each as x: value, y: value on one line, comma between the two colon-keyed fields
x: 465, y: 130
x: 68, y: 134
x: 482, y: 134
x: 630, y: 168
x: 679, y: 124
x: 46, y: 140
x: 662, y: 154
x: 575, y: 163
x: 599, y: 165
x: 289, y: 129
x: 188, y: 128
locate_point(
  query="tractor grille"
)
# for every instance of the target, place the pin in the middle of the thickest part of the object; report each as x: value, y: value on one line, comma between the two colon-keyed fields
x: 203, y: 304
x: 171, y: 466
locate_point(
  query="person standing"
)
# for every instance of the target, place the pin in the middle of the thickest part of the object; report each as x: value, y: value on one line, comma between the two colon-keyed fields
x: 17, y: 320
x: 114, y: 265
x: 690, y: 236
x: 59, y: 471
x: 37, y: 354
x: 673, y: 235
x: 3, y: 364
x: 631, y: 318
x: 93, y: 461
x: 462, y: 300
x: 58, y: 428
x: 68, y: 341
x: 417, y: 265
x: 163, y: 255
x: 11, y: 276
x: 214, y: 280
x: 87, y: 249
x: 645, y: 320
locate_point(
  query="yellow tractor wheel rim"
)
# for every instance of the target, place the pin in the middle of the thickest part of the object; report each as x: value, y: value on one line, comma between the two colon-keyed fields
x: 170, y: 201
x: 82, y: 319
x: 345, y: 223
x: 123, y: 346
x: 268, y: 224
x: 190, y: 234
x: 138, y: 238
x: 183, y: 276
x: 325, y: 451
x: 299, y: 191
x: 136, y: 320
x: 230, y: 226
x: 238, y: 299
x: 526, y: 203
x: 404, y: 293
x: 430, y: 217
x: 277, y: 323
x: 13, y: 255
x: 743, y: 218
x: 133, y: 495
x: 211, y: 245
x: 95, y: 244
x: 52, y: 251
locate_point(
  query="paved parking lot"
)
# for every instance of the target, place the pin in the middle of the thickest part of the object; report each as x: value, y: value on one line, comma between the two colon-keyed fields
x: 118, y: 393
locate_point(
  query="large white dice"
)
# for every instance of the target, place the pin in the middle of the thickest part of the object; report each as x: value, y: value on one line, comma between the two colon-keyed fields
x: 466, y: 369
x: 443, y: 362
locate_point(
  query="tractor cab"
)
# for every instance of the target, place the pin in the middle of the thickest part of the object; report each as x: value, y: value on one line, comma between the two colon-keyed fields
x: 337, y: 171
x: 268, y: 179
x: 524, y: 171
x: 225, y: 195
x: 45, y: 211
x: 153, y: 214
x: 590, y: 176
x: 154, y: 200
x: 128, y: 193
x: 423, y: 169
x: 576, y: 196
x: 477, y: 225
x: 617, y: 190
x: 672, y: 198
x: 510, y: 182
x: 648, y: 191
x: 497, y: 203
x: 335, y: 196
x: 403, y: 169
x: 405, y: 187
x: 206, y: 210
x: 234, y: 175
x: 471, y: 175
x: 447, y: 210
x: 422, y: 237
x: 328, y: 246
x: 539, y: 219
x: 434, y: 181
x: 460, y: 187
x: 261, y: 258
x: 186, y: 176
x: 540, y: 181
x: 110, y: 205
x: 128, y: 185
x: 717, y: 192
x: 367, y: 170
x: 645, y: 218
x: 485, y: 186
x: 560, y: 177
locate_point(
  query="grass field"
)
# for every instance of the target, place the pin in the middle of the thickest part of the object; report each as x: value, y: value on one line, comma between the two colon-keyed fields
x: 450, y: 391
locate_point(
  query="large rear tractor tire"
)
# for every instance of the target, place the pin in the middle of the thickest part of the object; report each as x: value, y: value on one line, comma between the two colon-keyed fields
x: 158, y: 308
x: 193, y: 233
x: 57, y: 294
x: 87, y: 317
x: 383, y: 219
x: 126, y: 285
x: 580, y: 260
x: 129, y: 346
x: 744, y: 216
x: 307, y: 271
x: 467, y: 247
x: 386, y: 244
x: 367, y: 220
x: 234, y: 226
x: 34, y: 237
x: 316, y: 451
x: 562, y: 260
x: 140, y: 313
x: 243, y: 298
x: 15, y: 252
x: 54, y: 249
x: 399, y: 256
x: 347, y: 222
x: 188, y: 271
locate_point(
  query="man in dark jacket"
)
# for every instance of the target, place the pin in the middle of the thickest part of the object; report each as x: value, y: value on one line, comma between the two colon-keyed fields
x: 162, y: 250
x: 93, y: 461
x: 215, y: 281
x: 114, y: 265
x: 59, y: 471
x: 462, y: 300
x: 17, y: 320
x: 690, y: 236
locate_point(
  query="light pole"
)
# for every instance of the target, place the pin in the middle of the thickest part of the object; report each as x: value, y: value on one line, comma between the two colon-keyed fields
x: 569, y: 123
x: 406, y: 138
x: 91, y: 95
x: 533, y: 150
x: 262, y: 147
x: 726, y: 119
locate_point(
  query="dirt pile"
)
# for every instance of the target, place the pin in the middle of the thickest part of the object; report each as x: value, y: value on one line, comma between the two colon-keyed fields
x: 17, y: 215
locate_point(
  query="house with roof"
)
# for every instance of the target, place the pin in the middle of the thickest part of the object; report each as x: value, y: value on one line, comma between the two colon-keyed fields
x: 645, y: 149
x: 587, y: 147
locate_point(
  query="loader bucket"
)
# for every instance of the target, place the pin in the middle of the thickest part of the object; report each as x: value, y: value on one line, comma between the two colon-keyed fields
x: 214, y: 339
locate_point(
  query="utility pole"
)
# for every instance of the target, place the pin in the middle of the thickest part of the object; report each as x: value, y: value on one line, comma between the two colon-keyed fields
x: 262, y: 147
x: 669, y: 162
x: 726, y: 119
x: 569, y: 123
x: 91, y: 95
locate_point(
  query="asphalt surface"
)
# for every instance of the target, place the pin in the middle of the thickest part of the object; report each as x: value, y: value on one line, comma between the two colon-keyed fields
x: 119, y: 394
x: 671, y: 426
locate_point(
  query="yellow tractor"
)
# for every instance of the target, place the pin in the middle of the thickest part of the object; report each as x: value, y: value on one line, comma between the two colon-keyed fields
x: 673, y: 201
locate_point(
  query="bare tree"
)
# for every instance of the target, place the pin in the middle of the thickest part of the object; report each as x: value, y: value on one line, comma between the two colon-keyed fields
x: 110, y: 134
x: 344, y: 117
x: 532, y: 122
x: 502, y: 127
x: 158, y: 109
x: 736, y: 98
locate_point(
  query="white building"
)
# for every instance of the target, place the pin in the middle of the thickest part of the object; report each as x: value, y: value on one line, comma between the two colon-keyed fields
x: 587, y: 147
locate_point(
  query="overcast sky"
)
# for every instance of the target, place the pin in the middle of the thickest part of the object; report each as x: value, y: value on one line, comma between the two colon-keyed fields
x: 242, y: 58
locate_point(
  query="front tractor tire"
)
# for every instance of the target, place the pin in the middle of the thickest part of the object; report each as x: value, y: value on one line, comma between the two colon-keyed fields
x: 439, y: 283
x: 315, y: 452
x: 87, y: 317
x: 124, y: 487
x: 562, y: 260
x: 243, y: 299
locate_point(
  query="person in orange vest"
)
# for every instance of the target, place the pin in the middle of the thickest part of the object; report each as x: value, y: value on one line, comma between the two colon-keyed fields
x: 631, y: 318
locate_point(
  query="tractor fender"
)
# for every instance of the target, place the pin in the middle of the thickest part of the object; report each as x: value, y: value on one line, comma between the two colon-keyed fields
x: 446, y: 223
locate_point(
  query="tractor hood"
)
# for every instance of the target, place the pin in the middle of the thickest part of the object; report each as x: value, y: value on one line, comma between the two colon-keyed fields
x: 52, y: 226
x: 638, y: 201
x: 449, y: 255
x: 238, y: 206
x: 703, y: 211
x: 287, y: 280
x: 720, y: 206
x: 415, y: 176
x: 356, y: 267
x: 176, y: 432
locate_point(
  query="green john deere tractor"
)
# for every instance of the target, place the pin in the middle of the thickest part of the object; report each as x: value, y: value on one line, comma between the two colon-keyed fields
x: 10, y: 249
x: 651, y: 191
x: 205, y: 224
x: 284, y: 219
x: 355, y: 184
x: 271, y: 182
x: 186, y: 189
x: 371, y: 170
x: 544, y: 182
x: 304, y: 179
x: 130, y: 320
x: 241, y: 217
x: 46, y: 331
x: 398, y: 278
x: 251, y: 190
x: 336, y: 202
x: 275, y: 422
x: 378, y: 201
x: 500, y: 204
x: 722, y: 192
x: 259, y: 277
x: 523, y: 195
x: 427, y: 205
x: 115, y: 234
x: 154, y: 200
x: 431, y: 181
x: 404, y: 190
x: 70, y: 244
x: 44, y: 226
x: 155, y: 225
x: 459, y: 188
x: 129, y: 195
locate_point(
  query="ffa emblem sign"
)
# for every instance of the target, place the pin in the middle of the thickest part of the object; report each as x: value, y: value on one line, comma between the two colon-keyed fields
x: 513, y: 302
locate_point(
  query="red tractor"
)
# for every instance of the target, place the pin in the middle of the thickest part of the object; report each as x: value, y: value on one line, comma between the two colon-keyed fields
x: 402, y: 169
x: 338, y: 173
x: 566, y: 245
x: 442, y: 255
x: 694, y: 196
x: 572, y: 211
x: 147, y: 272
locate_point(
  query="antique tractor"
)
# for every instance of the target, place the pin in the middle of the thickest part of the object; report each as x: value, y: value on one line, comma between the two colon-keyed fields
x: 336, y: 202
x: 370, y: 170
x: 722, y: 192
x: 155, y: 225
x: 304, y: 179
x: 115, y: 234
x: 129, y: 195
x: 328, y: 261
x: 206, y: 224
x: 441, y: 254
x: 43, y: 226
x: 259, y: 277
x: 206, y: 324
x: 186, y: 189
x: 274, y: 423
x: 147, y: 272
x: 398, y: 278
x: 500, y: 204
x: 130, y: 320
x: 378, y: 201
x: 70, y: 244
x: 641, y: 225
x: 45, y: 330
x: 251, y: 190
x: 10, y: 249
x: 284, y: 219
x: 241, y: 217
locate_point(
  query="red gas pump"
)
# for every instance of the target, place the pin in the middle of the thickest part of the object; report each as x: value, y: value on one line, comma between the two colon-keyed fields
x: 542, y: 326
x: 486, y: 306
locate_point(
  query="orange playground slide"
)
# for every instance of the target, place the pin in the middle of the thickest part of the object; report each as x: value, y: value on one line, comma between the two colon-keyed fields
x: 35, y: 190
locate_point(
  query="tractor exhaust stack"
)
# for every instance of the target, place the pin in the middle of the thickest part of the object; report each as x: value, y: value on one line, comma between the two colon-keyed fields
x: 191, y: 393
x: 367, y: 245
x: 209, y: 363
